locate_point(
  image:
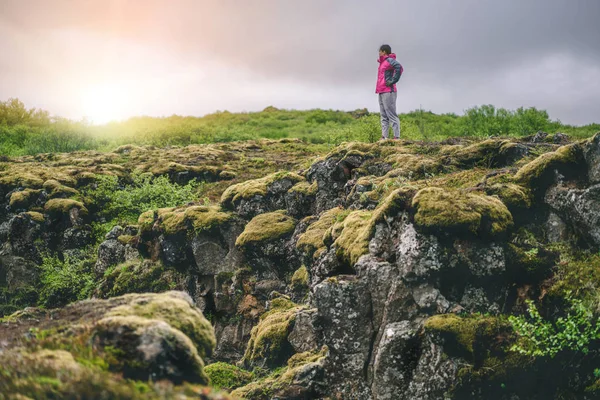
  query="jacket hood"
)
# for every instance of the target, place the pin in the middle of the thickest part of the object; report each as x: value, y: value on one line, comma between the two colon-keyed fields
x: 383, y: 58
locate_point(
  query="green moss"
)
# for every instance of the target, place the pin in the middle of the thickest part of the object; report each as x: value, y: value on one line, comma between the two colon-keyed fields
x: 63, y: 206
x: 578, y: 275
x: 300, y: 277
x: 282, y: 378
x: 514, y: 196
x: 170, y: 168
x: 458, y: 211
x: 123, y: 337
x: 24, y: 198
x: 175, y: 311
x: 146, y: 222
x: 464, y: 332
x: 308, y: 189
x: 480, y: 153
x: 137, y: 277
x: 191, y: 219
x: 530, y: 262
x: 56, y: 374
x: 56, y: 189
x: 268, y: 340
x: 126, y: 239
x: 227, y: 376
x: 257, y: 187
x: 355, y: 231
x: 533, y: 173
x: 415, y: 165
x: 35, y: 216
x: 311, y: 241
x: 266, y: 227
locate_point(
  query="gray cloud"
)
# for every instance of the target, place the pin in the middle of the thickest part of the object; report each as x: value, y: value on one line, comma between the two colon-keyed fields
x: 464, y: 50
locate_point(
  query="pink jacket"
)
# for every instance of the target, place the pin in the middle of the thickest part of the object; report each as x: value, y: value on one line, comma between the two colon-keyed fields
x: 389, y: 71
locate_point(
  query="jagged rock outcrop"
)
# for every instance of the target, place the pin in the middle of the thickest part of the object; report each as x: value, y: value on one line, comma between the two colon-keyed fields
x: 383, y: 271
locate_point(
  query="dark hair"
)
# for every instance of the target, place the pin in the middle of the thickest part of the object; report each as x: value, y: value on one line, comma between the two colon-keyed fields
x: 386, y: 48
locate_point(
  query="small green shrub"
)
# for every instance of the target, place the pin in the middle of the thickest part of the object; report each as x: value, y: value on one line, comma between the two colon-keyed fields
x: 119, y: 203
x: 63, y: 282
x: 539, y: 337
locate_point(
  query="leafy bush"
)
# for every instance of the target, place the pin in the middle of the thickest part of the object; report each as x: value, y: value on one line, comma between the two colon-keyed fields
x: 546, y: 338
x: 63, y: 282
x: 119, y: 203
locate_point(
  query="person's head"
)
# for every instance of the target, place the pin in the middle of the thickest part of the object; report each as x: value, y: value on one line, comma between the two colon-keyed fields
x: 385, y: 50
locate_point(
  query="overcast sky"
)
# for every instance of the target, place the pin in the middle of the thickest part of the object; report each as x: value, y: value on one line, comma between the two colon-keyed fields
x: 117, y: 58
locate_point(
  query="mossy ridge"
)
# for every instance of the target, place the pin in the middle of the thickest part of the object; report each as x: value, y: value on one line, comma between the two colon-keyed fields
x: 311, y: 241
x: 533, y: 173
x: 256, y: 187
x: 458, y: 211
x: 266, y: 227
x: 268, y: 339
x: 63, y: 206
x: 171, y: 168
x: 482, y: 153
x: 177, y: 312
x: 227, y: 376
x: 24, y: 198
x: 193, y: 219
x: 282, y: 378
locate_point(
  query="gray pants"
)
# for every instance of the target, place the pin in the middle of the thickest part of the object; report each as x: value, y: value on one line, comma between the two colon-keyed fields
x: 387, y: 106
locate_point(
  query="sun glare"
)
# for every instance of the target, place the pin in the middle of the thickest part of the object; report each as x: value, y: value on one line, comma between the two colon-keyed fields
x: 103, y: 104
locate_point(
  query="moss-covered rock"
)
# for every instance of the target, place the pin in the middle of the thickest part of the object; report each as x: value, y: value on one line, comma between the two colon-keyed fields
x: 311, y: 241
x: 144, y: 348
x: 55, y: 189
x: 268, y: 344
x: 351, y: 236
x: 288, y: 382
x: 146, y: 222
x: 512, y: 195
x: 191, y: 219
x: 139, y: 277
x: 472, y: 337
x: 24, y: 199
x: 257, y: 187
x: 57, y: 207
x: 300, y: 278
x: 534, y: 174
x: 266, y: 228
x: 178, y: 312
x: 306, y: 188
x: 440, y: 210
x: 35, y: 216
x: 227, y: 376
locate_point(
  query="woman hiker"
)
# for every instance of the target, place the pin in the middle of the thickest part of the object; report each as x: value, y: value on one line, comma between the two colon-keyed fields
x: 388, y: 74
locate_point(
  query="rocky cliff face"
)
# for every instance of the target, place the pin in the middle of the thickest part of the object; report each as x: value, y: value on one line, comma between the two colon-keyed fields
x: 380, y: 271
